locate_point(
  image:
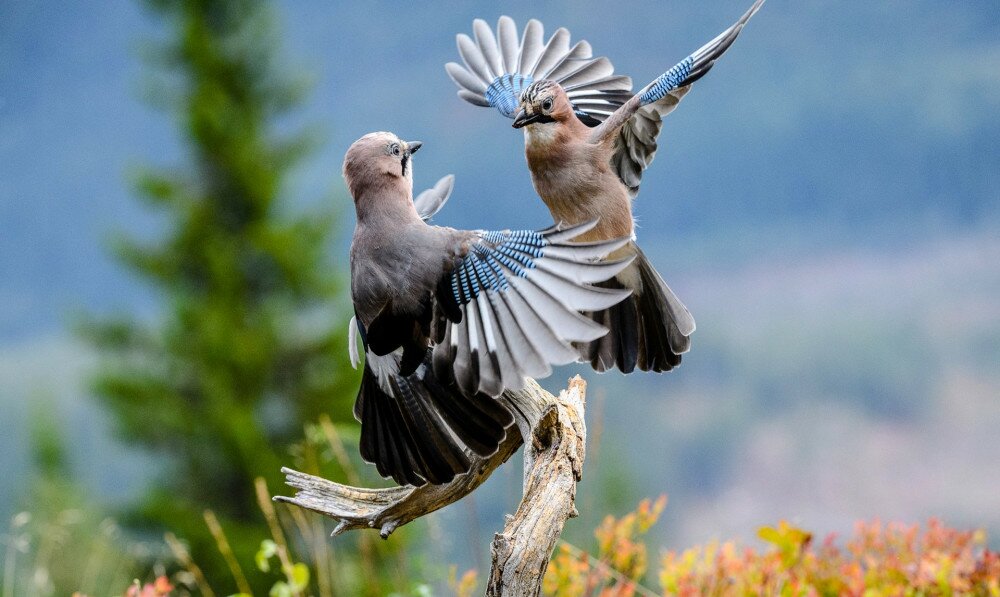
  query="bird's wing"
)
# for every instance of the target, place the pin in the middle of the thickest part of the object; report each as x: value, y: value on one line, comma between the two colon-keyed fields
x: 431, y: 201
x: 497, y: 69
x: 416, y: 428
x: 635, y: 144
x: 635, y: 126
x: 510, y: 306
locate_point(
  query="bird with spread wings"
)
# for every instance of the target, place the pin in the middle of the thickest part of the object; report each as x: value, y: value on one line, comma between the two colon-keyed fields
x: 588, y: 139
x: 449, y: 319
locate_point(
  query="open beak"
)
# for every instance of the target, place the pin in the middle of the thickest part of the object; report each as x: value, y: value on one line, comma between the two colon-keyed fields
x: 413, y: 146
x: 522, y: 118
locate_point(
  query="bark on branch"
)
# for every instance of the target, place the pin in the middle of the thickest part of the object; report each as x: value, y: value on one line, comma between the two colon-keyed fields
x: 553, y: 463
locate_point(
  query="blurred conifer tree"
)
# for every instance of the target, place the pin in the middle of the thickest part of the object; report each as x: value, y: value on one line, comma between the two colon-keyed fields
x: 251, y: 341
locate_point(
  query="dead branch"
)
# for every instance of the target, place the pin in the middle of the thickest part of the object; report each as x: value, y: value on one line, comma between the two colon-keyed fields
x: 552, y: 465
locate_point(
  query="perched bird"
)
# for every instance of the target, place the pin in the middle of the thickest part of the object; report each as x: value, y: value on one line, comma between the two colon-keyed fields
x: 427, y: 204
x: 587, y: 141
x: 450, y: 318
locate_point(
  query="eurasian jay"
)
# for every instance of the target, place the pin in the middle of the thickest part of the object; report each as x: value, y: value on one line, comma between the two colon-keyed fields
x: 450, y: 318
x: 587, y: 141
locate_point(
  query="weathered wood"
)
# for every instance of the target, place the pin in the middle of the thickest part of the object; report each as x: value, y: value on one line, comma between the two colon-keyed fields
x: 521, y: 552
x: 552, y: 465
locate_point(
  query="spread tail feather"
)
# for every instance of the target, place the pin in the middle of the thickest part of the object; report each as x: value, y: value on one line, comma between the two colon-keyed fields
x: 650, y: 330
x: 418, y: 430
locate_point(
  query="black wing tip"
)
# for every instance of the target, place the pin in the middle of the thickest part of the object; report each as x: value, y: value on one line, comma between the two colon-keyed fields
x: 642, y: 332
x: 587, y: 119
x: 705, y: 62
x: 399, y: 450
x: 636, y: 339
x: 420, y: 434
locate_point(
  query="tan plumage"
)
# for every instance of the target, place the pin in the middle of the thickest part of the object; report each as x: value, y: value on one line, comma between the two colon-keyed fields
x: 573, y: 171
x: 572, y: 176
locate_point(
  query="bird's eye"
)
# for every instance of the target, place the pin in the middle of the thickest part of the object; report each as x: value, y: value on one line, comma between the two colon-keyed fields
x: 395, y: 149
x: 547, y: 105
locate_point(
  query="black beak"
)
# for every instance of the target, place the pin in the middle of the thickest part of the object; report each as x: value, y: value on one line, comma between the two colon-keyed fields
x: 522, y: 118
x: 413, y: 146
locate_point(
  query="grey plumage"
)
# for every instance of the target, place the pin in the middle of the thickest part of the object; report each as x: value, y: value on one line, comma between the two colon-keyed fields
x: 427, y: 204
x: 531, y: 46
x: 507, y: 40
x: 468, y: 82
x: 430, y: 201
x: 487, y: 45
x: 555, y: 48
x: 448, y: 318
x: 474, y: 59
x: 572, y: 61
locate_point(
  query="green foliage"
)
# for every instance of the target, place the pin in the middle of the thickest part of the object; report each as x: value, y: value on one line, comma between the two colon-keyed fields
x: 295, y: 555
x: 65, y: 545
x: 245, y: 350
x: 296, y: 579
x: 351, y: 564
x: 788, y: 540
x: 64, y: 542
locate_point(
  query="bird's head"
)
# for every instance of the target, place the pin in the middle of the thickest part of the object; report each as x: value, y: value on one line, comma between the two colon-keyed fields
x: 379, y: 159
x: 543, y: 102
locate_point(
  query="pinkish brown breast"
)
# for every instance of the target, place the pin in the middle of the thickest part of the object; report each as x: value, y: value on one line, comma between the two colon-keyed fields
x: 576, y: 182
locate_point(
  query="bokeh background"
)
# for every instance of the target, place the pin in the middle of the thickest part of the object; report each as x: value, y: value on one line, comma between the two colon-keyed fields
x: 826, y: 202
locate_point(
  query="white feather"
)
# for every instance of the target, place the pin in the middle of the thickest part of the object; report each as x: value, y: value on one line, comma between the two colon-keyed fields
x: 352, y: 342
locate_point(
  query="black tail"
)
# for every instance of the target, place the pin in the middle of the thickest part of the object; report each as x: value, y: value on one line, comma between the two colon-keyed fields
x: 649, y: 330
x: 417, y: 432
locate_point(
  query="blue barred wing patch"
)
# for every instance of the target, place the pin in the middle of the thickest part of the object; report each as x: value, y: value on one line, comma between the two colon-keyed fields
x: 489, y: 263
x: 504, y: 93
x: 667, y: 82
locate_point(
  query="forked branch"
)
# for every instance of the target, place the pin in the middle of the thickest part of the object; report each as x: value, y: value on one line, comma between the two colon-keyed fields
x: 553, y: 463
